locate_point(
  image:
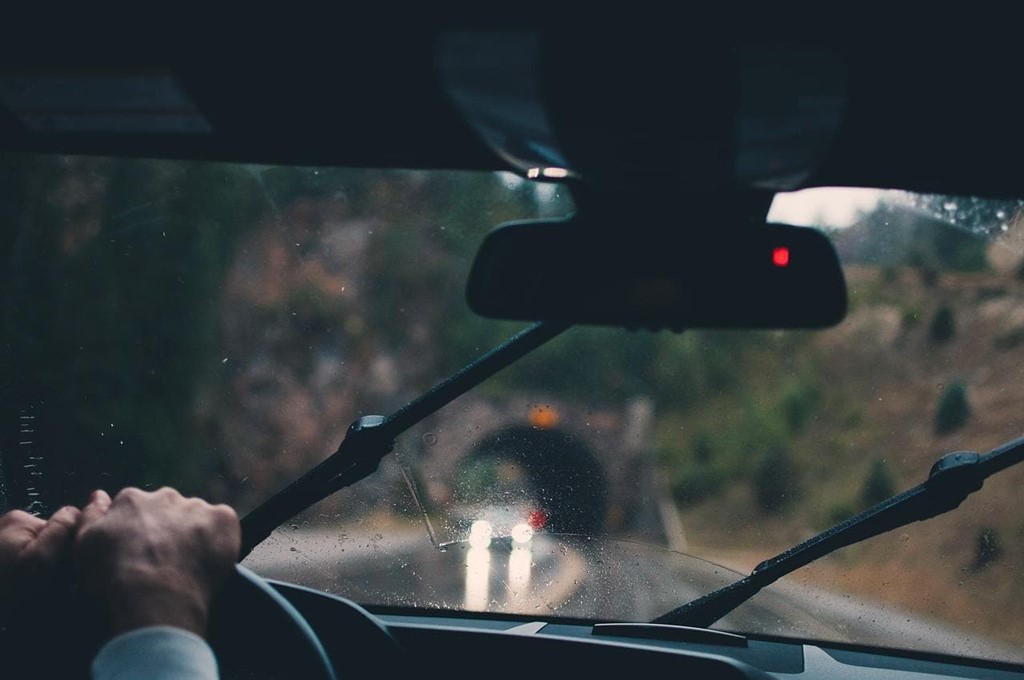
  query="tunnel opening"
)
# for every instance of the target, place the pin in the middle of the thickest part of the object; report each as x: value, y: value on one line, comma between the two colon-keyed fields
x: 549, y: 468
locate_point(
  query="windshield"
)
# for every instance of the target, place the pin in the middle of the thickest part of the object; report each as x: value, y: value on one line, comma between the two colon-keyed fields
x: 217, y: 328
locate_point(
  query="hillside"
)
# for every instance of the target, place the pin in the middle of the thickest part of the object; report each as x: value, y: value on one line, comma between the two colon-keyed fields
x: 881, y: 376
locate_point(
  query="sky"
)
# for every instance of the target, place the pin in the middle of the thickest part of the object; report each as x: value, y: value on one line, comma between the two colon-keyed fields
x: 825, y: 206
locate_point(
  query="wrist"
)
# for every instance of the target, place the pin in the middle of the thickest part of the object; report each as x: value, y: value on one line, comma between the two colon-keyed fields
x: 164, y: 600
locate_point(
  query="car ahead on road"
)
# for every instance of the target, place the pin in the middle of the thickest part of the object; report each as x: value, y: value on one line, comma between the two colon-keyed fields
x: 690, y: 349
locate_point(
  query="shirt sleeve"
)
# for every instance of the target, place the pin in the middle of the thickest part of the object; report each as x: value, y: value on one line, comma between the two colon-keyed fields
x: 155, y: 653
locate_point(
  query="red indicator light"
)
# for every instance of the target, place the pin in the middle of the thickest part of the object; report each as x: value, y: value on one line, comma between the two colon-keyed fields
x: 780, y: 256
x: 537, y: 520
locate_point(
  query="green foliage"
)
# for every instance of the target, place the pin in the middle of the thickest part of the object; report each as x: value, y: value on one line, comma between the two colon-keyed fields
x: 110, y: 313
x: 943, y: 325
x: 702, y: 448
x: 799, y: 401
x: 878, y: 485
x: 910, y: 317
x: 776, y: 481
x: 700, y: 475
x: 925, y: 267
x: 838, y: 512
x: 692, y: 485
x: 953, y: 411
x: 892, y: 236
x: 697, y: 365
x: 959, y: 250
x: 988, y: 547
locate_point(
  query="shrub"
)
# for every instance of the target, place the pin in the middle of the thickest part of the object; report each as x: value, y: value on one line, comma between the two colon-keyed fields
x: 910, y: 317
x: 799, y: 401
x: 878, y: 485
x: 776, y: 480
x: 702, y: 448
x: 837, y: 512
x: 953, y: 412
x: 988, y: 547
x: 695, y: 484
x: 943, y: 326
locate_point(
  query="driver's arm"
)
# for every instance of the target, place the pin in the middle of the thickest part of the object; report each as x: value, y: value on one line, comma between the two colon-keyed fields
x: 151, y: 561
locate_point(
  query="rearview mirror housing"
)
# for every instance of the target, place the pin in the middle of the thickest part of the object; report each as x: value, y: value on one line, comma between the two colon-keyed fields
x: 769, y: 276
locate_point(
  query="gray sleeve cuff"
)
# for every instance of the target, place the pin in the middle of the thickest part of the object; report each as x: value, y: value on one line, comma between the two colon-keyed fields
x: 156, y: 653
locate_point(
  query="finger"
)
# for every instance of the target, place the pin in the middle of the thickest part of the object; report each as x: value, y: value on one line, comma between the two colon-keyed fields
x: 99, y: 504
x: 21, y: 521
x: 52, y: 540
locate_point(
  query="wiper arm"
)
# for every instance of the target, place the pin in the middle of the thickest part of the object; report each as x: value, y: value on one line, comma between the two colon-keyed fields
x: 371, y: 438
x: 951, y: 479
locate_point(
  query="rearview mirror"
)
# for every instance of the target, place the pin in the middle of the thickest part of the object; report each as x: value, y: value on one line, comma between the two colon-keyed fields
x: 772, y: 276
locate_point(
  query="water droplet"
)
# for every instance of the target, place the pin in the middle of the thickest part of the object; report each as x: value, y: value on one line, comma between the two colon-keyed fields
x: 429, y: 438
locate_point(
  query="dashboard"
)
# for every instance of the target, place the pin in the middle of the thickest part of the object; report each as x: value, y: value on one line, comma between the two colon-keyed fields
x: 489, y: 646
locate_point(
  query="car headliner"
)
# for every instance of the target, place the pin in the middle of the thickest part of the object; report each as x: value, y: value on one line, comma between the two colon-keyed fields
x: 926, y: 107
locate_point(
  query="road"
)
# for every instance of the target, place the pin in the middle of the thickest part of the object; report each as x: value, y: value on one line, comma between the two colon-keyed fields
x: 573, y: 576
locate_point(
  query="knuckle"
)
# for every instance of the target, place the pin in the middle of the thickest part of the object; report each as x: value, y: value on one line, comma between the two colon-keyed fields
x: 67, y: 516
x: 225, y: 513
x: 168, y: 494
x: 129, y: 493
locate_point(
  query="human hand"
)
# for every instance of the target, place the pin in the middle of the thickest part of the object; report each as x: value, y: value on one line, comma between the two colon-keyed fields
x: 32, y: 550
x: 155, y: 558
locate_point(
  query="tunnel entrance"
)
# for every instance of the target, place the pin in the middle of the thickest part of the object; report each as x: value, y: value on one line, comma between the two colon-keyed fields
x: 551, y: 469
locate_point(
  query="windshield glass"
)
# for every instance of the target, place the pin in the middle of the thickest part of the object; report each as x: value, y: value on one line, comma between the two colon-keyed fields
x: 217, y: 327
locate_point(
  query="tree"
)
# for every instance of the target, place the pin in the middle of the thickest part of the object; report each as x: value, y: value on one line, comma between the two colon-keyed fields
x: 878, y: 485
x: 953, y: 411
x: 943, y: 325
x: 776, y: 480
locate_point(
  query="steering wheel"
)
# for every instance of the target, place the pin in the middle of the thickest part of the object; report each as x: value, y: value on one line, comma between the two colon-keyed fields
x: 256, y: 632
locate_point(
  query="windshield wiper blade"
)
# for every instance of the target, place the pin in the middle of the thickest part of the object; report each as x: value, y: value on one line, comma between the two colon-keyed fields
x: 370, y: 438
x: 952, y: 478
